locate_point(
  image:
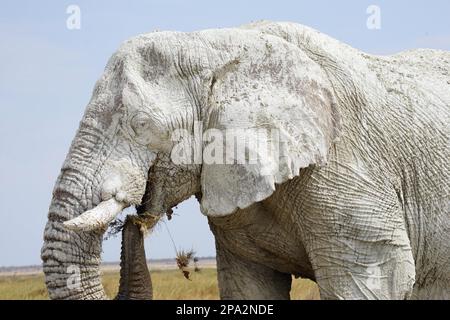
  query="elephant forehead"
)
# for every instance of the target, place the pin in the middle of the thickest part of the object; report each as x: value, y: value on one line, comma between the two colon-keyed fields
x: 158, y: 53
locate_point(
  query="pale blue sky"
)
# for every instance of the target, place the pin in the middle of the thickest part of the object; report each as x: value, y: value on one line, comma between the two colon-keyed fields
x: 47, y: 73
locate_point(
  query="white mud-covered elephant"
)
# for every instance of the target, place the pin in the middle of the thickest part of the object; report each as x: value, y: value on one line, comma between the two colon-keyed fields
x: 309, y: 158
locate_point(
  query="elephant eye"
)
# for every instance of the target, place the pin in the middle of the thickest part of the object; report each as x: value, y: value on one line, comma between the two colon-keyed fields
x: 140, y: 124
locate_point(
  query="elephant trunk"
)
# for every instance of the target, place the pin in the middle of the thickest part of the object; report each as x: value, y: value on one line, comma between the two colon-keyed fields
x: 135, y: 281
x: 71, y: 259
x: 99, y: 178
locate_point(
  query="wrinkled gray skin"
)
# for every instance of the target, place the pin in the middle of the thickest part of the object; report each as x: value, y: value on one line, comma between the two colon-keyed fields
x: 359, y: 202
x: 135, y: 282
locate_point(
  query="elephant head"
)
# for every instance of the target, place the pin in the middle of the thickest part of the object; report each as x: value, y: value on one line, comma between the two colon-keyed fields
x: 208, y: 84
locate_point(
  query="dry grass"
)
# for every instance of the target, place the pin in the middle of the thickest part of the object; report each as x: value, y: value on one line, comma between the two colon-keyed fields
x: 22, y: 287
x: 167, y: 284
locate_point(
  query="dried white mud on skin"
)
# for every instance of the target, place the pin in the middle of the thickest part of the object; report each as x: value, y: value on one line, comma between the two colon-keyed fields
x: 361, y: 187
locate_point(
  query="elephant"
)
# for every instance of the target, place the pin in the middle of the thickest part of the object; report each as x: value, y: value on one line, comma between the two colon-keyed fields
x: 352, y: 193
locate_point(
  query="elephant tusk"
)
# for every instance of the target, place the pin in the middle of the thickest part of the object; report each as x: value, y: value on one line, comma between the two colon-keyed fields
x: 96, y: 218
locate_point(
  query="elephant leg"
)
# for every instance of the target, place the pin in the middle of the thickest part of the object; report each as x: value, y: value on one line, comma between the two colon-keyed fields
x: 242, y: 279
x: 359, y: 248
x: 438, y: 290
x: 360, y: 270
x: 352, y: 225
x: 135, y: 281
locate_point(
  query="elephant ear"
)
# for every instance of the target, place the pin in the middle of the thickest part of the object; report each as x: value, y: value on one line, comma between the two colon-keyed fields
x: 274, y: 111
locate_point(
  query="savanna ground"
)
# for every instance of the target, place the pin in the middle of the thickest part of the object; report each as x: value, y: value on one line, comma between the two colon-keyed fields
x: 167, y: 284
